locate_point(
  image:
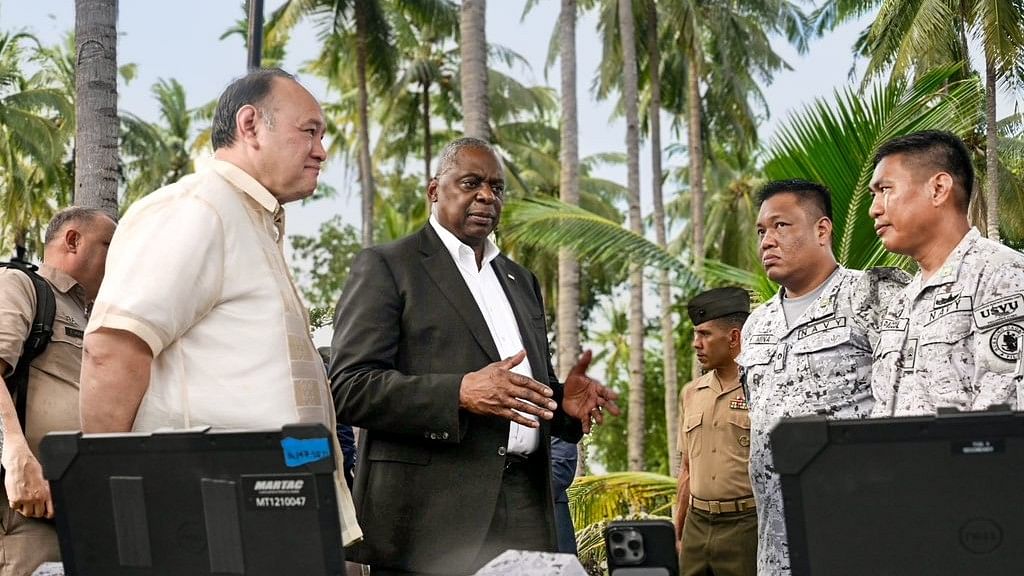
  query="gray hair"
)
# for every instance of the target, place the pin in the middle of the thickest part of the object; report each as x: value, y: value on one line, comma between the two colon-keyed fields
x: 73, y: 215
x: 446, y: 159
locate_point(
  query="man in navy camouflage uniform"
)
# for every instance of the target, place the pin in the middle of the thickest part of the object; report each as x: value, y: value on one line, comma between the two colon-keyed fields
x: 952, y: 337
x: 807, y: 350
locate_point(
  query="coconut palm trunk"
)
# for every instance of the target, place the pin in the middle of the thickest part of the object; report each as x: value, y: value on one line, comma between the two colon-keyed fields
x: 96, y: 138
x: 473, y: 48
x: 568, y: 315
x: 636, y: 427
x: 696, y: 146
x: 427, y: 152
x: 991, y: 150
x: 668, y: 353
x: 365, y: 163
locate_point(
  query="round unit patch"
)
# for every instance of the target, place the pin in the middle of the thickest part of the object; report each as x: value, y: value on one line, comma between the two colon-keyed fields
x: 1006, y: 342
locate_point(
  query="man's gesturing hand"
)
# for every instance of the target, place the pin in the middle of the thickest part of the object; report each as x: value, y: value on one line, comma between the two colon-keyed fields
x: 496, y: 390
x: 585, y: 398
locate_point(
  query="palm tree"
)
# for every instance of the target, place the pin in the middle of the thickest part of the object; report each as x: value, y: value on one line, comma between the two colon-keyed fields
x: 911, y: 37
x: 345, y: 27
x: 157, y: 154
x: 668, y: 348
x: 34, y: 132
x: 835, y: 144
x: 568, y: 268
x: 96, y: 146
x: 430, y: 66
x: 473, y: 44
x: 828, y: 142
x: 631, y: 98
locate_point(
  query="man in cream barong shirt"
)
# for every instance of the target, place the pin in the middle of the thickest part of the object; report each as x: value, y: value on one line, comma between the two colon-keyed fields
x: 198, y: 322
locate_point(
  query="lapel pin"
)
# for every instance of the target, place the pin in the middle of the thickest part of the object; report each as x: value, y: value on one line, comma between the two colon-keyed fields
x: 510, y: 277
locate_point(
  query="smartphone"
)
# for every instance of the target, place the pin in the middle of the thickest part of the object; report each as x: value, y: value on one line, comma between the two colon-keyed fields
x: 641, y: 548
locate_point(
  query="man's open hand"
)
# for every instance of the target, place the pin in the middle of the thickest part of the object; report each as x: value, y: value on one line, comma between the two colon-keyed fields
x: 586, y: 399
x: 497, y: 391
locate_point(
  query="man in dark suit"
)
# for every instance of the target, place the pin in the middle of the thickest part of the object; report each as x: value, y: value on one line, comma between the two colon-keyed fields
x: 440, y: 353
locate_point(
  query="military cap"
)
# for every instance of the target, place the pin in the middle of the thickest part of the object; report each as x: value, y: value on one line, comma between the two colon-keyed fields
x: 716, y: 303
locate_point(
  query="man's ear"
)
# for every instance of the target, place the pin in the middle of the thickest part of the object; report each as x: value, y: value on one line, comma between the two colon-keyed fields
x: 72, y: 240
x: 247, y: 120
x: 941, y: 187
x: 432, y: 190
x: 824, y: 231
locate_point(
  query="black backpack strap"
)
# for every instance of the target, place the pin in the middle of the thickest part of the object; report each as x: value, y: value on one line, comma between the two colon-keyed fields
x: 38, y: 336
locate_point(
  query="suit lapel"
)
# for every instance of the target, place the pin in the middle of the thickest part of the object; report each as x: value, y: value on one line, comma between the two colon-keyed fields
x: 445, y: 274
x: 521, y: 297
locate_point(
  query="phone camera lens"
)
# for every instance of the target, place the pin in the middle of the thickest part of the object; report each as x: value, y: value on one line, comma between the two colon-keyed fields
x: 617, y: 537
x: 634, y: 545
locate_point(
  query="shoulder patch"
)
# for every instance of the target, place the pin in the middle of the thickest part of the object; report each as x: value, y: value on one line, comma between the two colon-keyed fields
x: 999, y: 311
x: 1006, y: 342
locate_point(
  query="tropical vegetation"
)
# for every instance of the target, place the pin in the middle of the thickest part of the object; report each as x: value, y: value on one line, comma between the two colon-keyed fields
x: 405, y: 76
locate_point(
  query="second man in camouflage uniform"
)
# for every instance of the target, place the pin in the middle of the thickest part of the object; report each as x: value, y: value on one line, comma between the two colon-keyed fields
x: 952, y: 338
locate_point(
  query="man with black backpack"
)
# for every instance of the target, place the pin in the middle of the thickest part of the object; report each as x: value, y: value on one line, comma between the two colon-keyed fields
x: 43, y: 313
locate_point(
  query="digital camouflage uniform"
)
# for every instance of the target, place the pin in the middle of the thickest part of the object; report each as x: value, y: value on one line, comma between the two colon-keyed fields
x: 820, y: 365
x: 954, y: 340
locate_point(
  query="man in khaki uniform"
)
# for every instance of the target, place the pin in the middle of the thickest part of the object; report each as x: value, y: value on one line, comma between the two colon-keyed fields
x: 73, y: 266
x: 716, y: 520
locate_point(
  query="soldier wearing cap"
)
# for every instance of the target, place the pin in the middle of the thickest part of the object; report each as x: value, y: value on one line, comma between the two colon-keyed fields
x: 952, y: 337
x: 808, y: 349
x: 715, y: 517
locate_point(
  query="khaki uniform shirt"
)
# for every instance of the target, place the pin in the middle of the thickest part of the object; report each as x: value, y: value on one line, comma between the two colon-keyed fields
x: 820, y: 365
x: 954, y: 340
x: 53, y: 376
x: 714, y: 435
x: 197, y: 271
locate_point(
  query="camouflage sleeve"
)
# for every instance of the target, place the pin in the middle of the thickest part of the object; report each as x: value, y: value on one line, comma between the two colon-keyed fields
x: 999, y: 335
x: 871, y: 296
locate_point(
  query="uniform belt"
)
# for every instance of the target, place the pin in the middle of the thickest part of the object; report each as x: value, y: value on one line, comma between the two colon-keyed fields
x: 723, y: 506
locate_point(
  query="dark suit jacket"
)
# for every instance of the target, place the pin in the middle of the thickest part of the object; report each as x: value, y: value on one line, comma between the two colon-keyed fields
x: 406, y: 331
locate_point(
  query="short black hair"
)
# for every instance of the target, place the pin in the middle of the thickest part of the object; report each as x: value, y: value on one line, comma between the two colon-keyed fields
x: 938, y: 150
x: 446, y: 159
x: 72, y: 215
x: 734, y: 320
x: 251, y: 89
x: 809, y: 192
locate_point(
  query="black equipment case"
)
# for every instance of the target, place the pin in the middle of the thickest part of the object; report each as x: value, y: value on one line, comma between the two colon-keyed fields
x: 196, y: 503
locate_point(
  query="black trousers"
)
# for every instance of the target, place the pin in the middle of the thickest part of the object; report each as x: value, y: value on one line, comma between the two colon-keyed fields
x: 520, y: 520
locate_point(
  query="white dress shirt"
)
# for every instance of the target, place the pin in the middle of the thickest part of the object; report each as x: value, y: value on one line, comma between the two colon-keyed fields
x: 501, y: 321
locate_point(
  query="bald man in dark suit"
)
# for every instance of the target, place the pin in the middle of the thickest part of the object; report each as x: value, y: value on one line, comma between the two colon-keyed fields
x: 440, y: 353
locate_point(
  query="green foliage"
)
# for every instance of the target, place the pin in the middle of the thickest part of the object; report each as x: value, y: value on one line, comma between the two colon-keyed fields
x: 34, y: 138
x: 596, y: 500
x: 324, y: 261
x: 607, y: 439
x: 834, y: 143
x: 154, y: 154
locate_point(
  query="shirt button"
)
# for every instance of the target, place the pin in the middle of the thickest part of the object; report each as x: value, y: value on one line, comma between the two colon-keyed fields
x: 713, y: 476
x: 501, y: 450
x: 714, y: 449
x: 716, y: 423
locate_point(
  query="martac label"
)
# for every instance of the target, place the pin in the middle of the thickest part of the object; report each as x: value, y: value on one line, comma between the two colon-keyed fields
x: 280, y: 492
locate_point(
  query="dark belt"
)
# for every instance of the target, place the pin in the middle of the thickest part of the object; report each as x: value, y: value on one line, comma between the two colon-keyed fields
x: 516, y: 461
x: 723, y: 506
